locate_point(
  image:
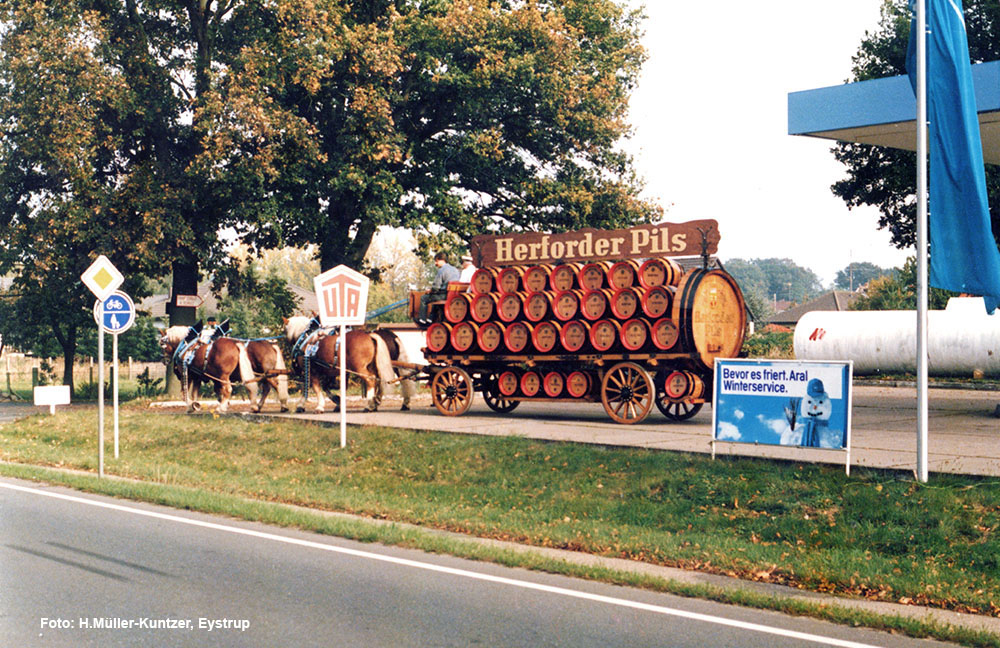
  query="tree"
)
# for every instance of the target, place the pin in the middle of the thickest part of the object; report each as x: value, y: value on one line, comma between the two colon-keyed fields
x: 472, y: 116
x: 898, y: 291
x: 884, y: 177
x: 773, y: 279
x: 858, y: 273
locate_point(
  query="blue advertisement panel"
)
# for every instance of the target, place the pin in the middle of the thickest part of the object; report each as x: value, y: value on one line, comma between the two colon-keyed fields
x: 783, y: 402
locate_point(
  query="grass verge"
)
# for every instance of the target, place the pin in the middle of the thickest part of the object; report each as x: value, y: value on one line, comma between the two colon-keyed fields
x: 873, y: 534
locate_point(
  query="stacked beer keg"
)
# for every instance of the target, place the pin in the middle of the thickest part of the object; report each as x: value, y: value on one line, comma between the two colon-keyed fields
x: 573, y: 308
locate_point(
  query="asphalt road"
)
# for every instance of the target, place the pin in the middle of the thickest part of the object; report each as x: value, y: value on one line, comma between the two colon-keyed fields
x: 78, y: 569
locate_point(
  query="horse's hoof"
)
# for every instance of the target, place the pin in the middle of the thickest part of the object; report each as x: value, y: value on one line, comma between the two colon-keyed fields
x: 255, y: 410
x: 404, y: 408
x: 283, y: 409
x: 299, y: 410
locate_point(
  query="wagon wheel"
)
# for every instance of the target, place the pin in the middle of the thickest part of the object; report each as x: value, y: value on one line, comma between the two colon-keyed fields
x: 452, y: 391
x: 627, y: 393
x: 673, y: 410
x: 494, y: 399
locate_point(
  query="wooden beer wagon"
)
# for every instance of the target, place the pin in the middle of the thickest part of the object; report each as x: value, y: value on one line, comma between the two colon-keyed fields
x: 626, y: 333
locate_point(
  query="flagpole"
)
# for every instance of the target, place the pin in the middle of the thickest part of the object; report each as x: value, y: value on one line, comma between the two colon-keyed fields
x: 921, y: 11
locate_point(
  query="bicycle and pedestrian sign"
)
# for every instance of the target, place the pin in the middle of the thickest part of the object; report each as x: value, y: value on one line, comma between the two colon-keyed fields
x: 118, y: 315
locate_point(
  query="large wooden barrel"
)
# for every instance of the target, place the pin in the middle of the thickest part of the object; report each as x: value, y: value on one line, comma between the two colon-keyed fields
x: 594, y: 303
x: 663, y: 334
x: 509, y: 279
x: 711, y: 315
x: 463, y: 336
x: 594, y: 275
x: 659, y: 272
x: 537, y: 305
x: 456, y: 306
x: 655, y: 301
x: 509, y: 306
x: 489, y: 336
x: 623, y: 274
x: 574, y: 335
x: 563, y: 276
x: 624, y: 303
x: 605, y: 334
x: 578, y: 384
x: 634, y: 334
x: 566, y: 305
x: 531, y: 382
x: 553, y: 383
x: 438, y: 337
x: 483, y: 280
x: 544, y: 336
x: 536, y: 278
x: 483, y: 306
x: 516, y: 336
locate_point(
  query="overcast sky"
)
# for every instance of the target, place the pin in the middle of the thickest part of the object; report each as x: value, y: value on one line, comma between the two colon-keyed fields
x: 711, y: 122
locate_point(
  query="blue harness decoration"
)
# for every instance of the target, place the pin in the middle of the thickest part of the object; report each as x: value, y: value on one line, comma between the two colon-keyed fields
x: 307, y: 346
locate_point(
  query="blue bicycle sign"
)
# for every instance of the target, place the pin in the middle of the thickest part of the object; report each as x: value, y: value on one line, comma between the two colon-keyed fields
x: 118, y: 314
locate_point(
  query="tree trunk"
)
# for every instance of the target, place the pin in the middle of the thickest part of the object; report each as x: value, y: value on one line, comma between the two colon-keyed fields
x: 185, y: 282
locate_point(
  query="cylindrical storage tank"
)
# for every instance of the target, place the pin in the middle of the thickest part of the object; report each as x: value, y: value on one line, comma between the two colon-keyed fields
x: 594, y: 304
x: 438, y: 337
x: 605, y: 334
x: 530, y: 384
x: 553, y: 383
x: 508, y: 382
x: 536, y: 278
x: 593, y: 276
x: 663, y: 334
x: 574, y: 335
x: 683, y: 385
x: 623, y: 274
x: 655, y: 301
x: 483, y: 306
x: 566, y: 305
x: 659, y: 272
x: 463, y: 336
x: 509, y: 279
x: 456, y: 306
x: 711, y: 316
x: 563, y: 277
x: 509, y: 306
x: 634, y: 334
x: 489, y: 336
x: 483, y: 280
x: 962, y: 340
x: 537, y: 305
x: 516, y: 337
x: 578, y: 384
x: 625, y: 303
x: 544, y: 336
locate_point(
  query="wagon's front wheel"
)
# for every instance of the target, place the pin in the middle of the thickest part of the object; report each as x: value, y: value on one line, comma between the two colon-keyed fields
x: 451, y: 390
x: 627, y: 393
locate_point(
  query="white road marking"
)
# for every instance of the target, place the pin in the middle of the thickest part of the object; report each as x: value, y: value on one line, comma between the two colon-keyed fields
x: 657, y: 609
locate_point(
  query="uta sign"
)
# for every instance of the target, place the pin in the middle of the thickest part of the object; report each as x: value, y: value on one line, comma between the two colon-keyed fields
x: 342, y: 294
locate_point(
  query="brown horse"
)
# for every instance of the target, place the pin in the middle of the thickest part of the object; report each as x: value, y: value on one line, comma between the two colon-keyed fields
x: 268, y: 364
x: 316, y: 359
x: 397, y: 353
x: 222, y: 361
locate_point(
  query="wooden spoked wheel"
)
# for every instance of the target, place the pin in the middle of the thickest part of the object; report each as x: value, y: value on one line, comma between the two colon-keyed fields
x: 672, y: 409
x: 627, y: 393
x: 451, y: 390
x: 494, y: 399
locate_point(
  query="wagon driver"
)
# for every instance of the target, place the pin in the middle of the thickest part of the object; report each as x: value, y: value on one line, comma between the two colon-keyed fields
x: 439, y: 287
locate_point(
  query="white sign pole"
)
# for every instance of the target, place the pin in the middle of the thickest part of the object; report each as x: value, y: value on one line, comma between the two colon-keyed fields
x: 343, y: 386
x: 922, y: 290
x: 100, y: 394
x: 114, y: 388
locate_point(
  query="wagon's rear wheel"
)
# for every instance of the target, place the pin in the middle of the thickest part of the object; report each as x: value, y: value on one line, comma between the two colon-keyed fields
x: 495, y: 400
x: 451, y: 390
x: 672, y: 409
x: 627, y: 393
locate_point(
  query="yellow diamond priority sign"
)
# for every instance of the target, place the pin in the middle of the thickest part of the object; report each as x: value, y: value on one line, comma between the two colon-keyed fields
x: 102, y: 278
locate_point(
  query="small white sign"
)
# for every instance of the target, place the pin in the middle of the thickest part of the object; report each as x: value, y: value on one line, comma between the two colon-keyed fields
x: 52, y: 395
x: 342, y: 294
x: 102, y: 278
x: 187, y: 301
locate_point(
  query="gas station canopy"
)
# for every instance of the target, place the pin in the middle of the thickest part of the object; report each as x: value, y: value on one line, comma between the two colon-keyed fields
x: 883, y: 111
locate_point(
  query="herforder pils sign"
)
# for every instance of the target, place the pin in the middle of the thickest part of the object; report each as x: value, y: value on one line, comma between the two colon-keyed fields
x: 642, y: 241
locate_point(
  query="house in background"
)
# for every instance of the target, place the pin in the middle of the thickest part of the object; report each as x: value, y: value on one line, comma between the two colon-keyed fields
x: 835, y: 300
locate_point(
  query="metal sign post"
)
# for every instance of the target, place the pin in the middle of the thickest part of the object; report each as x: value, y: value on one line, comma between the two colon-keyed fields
x: 342, y: 294
x: 103, y: 279
x: 116, y: 314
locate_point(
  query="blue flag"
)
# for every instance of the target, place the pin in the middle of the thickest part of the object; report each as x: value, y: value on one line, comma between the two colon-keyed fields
x: 963, y: 253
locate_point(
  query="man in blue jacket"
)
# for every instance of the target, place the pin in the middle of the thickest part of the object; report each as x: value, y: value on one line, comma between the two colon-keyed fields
x: 439, y: 287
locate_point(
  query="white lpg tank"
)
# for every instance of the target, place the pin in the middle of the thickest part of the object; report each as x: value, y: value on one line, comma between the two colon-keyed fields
x: 962, y: 339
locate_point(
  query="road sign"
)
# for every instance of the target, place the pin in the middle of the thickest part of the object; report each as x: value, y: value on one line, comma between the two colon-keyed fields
x: 102, y: 278
x: 342, y: 294
x: 118, y: 315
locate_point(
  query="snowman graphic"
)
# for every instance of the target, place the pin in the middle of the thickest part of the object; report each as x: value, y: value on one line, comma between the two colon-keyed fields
x: 810, y: 416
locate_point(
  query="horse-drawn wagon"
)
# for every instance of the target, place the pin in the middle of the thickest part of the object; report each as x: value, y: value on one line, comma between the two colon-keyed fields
x: 591, y: 316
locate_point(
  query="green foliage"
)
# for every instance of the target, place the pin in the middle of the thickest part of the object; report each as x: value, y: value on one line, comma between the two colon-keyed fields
x: 381, y: 294
x: 772, y: 279
x: 899, y: 292
x: 255, y: 305
x: 858, y: 274
x: 148, y: 387
x: 770, y: 345
x: 884, y: 177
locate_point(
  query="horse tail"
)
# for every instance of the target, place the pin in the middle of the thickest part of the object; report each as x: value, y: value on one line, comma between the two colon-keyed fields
x: 279, y: 365
x: 408, y: 387
x: 246, y: 371
x: 383, y: 363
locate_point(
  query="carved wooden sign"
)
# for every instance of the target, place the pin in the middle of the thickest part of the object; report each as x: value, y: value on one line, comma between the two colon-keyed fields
x: 642, y: 241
